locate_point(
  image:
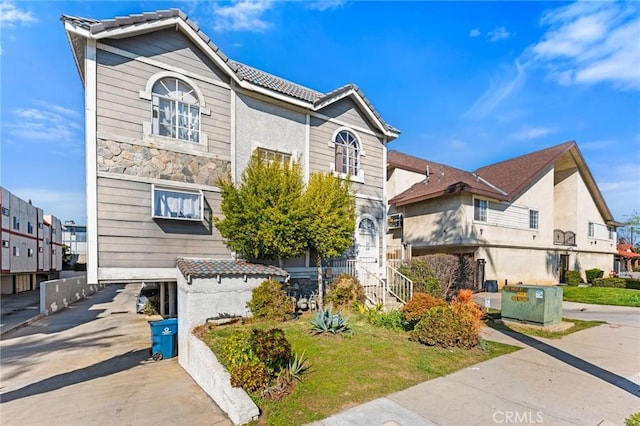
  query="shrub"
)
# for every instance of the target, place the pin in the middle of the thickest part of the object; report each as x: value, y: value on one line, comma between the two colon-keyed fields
x: 419, y: 305
x: 636, y: 269
x: 256, y: 357
x: 633, y: 420
x: 269, y: 301
x: 237, y: 349
x: 594, y: 273
x: 325, y: 321
x: 443, y: 326
x: 272, y: 348
x: 345, y: 291
x: 572, y: 278
x: 617, y: 283
x: 250, y: 376
x: 464, y: 305
x: 422, y: 275
x: 439, y: 274
x: 393, y: 320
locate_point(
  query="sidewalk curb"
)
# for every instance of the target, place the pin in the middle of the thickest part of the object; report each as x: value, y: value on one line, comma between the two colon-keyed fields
x: 25, y: 323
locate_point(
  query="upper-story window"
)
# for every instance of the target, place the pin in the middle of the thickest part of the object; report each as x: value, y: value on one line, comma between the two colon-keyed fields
x: 271, y: 156
x: 533, y: 219
x: 347, y: 153
x: 592, y: 230
x: 169, y: 203
x: 176, y: 110
x: 29, y: 228
x: 480, y: 210
x: 612, y: 232
x: 16, y: 223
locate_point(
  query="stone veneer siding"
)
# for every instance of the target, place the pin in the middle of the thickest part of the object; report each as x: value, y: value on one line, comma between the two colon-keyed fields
x: 137, y: 160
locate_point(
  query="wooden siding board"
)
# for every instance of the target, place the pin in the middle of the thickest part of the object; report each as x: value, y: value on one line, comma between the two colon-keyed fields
x: 174, y: 48
x: 127, y: 232
x: 121, y: 111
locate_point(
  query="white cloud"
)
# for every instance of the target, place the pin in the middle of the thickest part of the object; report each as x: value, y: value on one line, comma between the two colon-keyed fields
x: 475, y: 32
x: 11, y: 15
x: 529, y: 132
x: 65, y: 205
x: 48, y: 123
x: 499, y: 89
x: 592, y: 42
x: 324, y: 5
x: 499, y: 33
x: 242, y: 15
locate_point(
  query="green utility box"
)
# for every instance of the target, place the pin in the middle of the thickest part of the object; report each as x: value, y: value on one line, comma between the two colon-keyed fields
x: 540, y: 305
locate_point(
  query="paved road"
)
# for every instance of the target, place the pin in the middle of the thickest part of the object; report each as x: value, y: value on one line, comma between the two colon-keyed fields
x: 89, y: 365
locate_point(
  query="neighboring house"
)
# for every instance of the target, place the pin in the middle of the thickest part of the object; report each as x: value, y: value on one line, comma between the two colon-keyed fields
x: 168, y: 114
x: 75, y: 237
x: 31, y: 252
x: 626, y: 260
x: 528, y: 219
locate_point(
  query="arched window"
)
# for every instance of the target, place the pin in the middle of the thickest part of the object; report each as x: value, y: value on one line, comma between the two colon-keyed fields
x: 176, y: 110
x: 347, y: 153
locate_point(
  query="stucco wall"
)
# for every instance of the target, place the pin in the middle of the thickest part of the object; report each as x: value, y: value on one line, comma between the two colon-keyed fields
x: 202, y: 299
x: 59, y: 294
x: 268, y: 126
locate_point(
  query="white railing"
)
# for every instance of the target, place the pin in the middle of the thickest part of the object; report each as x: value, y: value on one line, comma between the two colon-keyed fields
x: 374, y: 287
x: 399, y: 285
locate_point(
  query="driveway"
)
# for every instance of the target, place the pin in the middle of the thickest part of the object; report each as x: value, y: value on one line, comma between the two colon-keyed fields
x: 89, y: 365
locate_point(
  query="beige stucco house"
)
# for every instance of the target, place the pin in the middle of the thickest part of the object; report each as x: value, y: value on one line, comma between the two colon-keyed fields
x: 528, y: 219
x: 168, y: 114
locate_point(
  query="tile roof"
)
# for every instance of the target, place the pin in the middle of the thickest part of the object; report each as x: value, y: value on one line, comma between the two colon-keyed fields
x: 242, y: 71
x: 626, y: 250
x: 209, y: 268
x: 442, y: 180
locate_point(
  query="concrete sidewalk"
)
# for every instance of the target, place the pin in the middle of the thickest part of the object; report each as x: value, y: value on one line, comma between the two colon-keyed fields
x: 587, y: 378
x: 89, y: 364
x: 18, y: 310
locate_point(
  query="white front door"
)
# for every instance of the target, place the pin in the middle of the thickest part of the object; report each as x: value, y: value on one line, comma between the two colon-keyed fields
x: 368, y: 241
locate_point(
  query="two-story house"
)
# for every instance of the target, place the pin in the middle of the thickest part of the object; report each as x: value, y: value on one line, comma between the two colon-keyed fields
x: 168, y: 114
x: 528, y: 219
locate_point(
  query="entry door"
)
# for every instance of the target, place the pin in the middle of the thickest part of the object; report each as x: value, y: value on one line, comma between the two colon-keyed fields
x: 564, y: 267
x: 367, y: 236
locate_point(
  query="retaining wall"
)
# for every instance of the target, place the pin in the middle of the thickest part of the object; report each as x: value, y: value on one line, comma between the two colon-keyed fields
x: 59, y: 294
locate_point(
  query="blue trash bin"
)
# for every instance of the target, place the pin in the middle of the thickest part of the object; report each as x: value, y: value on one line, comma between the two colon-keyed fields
x: 164, y: 338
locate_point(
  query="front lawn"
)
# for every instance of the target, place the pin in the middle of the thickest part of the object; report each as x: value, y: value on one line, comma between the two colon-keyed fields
x: 347, y: 371
x: 602, y: 296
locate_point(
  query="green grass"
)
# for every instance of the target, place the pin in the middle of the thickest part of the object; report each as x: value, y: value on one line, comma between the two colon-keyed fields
x: 602, y: 296
x: 347, y: 371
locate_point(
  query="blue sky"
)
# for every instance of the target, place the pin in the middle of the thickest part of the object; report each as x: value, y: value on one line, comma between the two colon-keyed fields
x: 467, y: 83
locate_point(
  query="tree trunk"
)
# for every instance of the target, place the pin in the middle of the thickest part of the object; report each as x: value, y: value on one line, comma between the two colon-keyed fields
x: 320, y: 283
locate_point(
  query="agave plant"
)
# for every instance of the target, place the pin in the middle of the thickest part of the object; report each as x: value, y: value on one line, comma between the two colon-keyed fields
x: 326, y: 321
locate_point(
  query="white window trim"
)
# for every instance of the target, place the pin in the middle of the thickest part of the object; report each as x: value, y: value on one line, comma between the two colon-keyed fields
x: 537, y: 228
x: 361, y: 153
x: 147, y: 94
x: 473, y: 206
x: 180, y: 190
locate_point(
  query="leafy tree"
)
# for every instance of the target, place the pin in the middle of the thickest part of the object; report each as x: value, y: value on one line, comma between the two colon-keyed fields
x: 66, y: 255
x: 263, y: 218
x: 630, y: 232
x: 329, y: 218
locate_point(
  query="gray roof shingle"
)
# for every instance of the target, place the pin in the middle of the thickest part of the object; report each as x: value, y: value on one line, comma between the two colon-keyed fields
x: 209, y: 268
x: 244, y: 72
